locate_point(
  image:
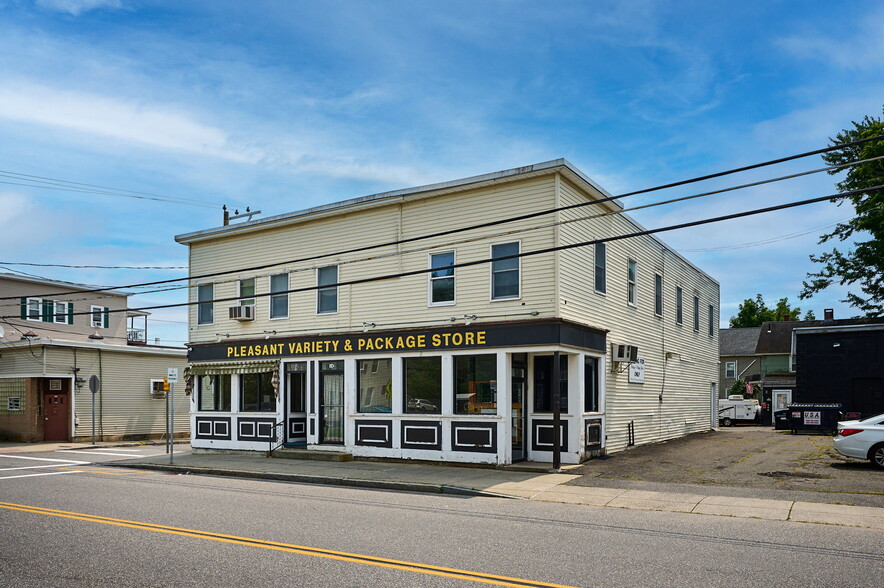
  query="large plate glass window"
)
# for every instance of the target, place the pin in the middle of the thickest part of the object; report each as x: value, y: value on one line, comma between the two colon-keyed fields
x: 214, y: 392
x: 279, y: 302
x: 375, y: 385
x: 247, y: 292
x: 543, y: 383
x: 327, y: 297
x: 442, y: 278
x: 205, y: 308
x: 475, y: 384
x: 601, y: 268
x: 630, y: 282
x: 505, y: 272
x: 256, y: 393
x: 423, y: 385
x: 591, y: 384
x: 658, y: 294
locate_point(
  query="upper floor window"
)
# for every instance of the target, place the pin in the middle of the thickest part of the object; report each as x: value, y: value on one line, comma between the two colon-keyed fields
x: 679, y: 311
x: 442, y: 278
x: 279, y: 298
x: 247, y: 292
x: 697, y: 313
x: 64, y: 313
x: 505, y: 272
x: 658, y: 294
x: 601, y: 265
x: 327, y: 297
x: 99, y: 317
x: 730, y: 370
x: 711, y: 321
x: 205, y: 309
x: 34, y: 309
x: 630, y: 282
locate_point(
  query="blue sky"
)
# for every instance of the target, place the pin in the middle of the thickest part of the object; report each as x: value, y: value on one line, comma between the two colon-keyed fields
x: 286, y: 105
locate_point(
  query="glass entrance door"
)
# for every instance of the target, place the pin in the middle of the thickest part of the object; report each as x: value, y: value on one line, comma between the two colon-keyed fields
x: 331, y: 402
x: 519, y: 387
x: 296, y: 419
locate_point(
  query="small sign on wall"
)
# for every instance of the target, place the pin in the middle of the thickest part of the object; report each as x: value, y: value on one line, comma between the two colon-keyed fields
x: 637, y: 371
x: 54, y: 385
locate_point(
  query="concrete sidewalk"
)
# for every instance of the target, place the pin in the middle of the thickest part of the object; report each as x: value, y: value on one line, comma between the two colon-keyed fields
x: 537, y: 485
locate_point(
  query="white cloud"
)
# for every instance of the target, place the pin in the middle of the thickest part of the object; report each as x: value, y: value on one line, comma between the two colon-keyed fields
x: 859, y: 49
x: 78, y: 7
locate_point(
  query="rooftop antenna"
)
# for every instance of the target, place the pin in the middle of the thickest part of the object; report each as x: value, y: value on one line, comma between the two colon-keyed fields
x: 248, y: 213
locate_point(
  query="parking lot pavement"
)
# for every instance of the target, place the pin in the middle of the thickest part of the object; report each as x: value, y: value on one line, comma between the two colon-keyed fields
x: 741, y: 462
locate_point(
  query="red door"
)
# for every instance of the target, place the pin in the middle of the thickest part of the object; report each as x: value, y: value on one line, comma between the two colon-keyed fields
x: 56, y: 409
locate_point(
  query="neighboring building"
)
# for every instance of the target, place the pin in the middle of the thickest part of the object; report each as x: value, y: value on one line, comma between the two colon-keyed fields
x: 51, y: 345
x: 456, y: 364
x: 738, y: 358
x: 841, y: 361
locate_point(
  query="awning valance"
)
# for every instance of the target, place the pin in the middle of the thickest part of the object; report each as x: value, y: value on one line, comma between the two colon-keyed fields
x: 233, y: 367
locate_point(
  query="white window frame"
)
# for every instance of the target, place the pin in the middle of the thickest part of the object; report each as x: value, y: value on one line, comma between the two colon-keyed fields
x: 730, y: 370
x: 39, y: 315
x: 632, y: 283
x: 335, y: 288
x: 247, y: 301
x: 102, y: 311
x: 64, y: 314
x: 658, y: 294
x: 13, y: 404
x: 432, y: 279
x: 272, y: 296
x: 210, y: 303
x: 518, y: 269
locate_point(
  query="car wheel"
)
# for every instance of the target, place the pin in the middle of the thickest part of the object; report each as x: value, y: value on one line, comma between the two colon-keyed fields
x: 726, y: 422
x: 876, y: 455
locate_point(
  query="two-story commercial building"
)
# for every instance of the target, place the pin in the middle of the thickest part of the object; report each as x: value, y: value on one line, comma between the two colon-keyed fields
x: 54, y: 339
x: 411, y: 324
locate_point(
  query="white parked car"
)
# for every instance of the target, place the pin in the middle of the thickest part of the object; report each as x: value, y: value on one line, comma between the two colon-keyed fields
x: 862, y: 439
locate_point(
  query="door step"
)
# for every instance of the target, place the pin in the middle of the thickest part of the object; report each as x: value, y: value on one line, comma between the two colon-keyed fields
x: 314, y: 454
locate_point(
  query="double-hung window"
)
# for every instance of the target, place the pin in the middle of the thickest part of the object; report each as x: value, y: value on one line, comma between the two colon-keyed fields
x: 505, y: 272
x: 630, y: 282
x: 327, y: 294
x: 601, y: 265
x: 658, y: 294
x: 63, y: 313
x: 34, y: 309
x: 247, y: 292
x: 679, y: 310
x: 279, y: 298
x: 99, y: 317
x: 730, y: 370
x: 696, y: 313
x: 442, y: 278
x: 205, y: 308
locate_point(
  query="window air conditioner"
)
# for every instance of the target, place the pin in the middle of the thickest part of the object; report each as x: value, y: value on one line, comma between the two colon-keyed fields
x: 625, y: 353
x: 245, y: 312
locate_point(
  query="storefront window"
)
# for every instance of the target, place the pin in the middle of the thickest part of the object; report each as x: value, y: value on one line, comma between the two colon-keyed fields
x: 375, y: 385
x: 543, y: 384
x: 214, y: 392
x: 475, y: 384
x: 591, y: 384
x: 423, y: 385
x: 256, y: 393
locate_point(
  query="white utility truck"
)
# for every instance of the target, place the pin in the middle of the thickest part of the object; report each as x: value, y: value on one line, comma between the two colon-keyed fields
x: 737, y: 409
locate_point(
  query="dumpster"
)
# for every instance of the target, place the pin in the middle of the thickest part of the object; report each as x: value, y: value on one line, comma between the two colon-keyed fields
x: 781, y: 420
x: 814, y: 417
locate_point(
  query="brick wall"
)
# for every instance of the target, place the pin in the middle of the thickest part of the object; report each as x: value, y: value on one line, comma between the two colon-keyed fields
x: 20, y: 411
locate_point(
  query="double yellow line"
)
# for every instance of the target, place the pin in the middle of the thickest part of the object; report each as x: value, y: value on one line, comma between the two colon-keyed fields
x: 290, y: 548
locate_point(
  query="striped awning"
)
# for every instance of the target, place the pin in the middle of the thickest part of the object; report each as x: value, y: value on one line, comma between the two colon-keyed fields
x: 233, y: 367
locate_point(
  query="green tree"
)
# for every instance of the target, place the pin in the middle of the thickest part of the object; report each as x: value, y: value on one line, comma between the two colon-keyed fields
x: 751, y: 313
x: 864, y: 265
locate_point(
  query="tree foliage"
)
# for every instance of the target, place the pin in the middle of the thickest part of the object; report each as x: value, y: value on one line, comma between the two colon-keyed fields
x: 864, y: 265
x: 751, y: 313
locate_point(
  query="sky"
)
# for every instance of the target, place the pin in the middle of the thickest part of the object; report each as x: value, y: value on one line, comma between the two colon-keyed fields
x: 282, y: 105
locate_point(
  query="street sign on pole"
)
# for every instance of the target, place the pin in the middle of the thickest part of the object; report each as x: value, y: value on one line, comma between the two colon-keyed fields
x: 172, y: 374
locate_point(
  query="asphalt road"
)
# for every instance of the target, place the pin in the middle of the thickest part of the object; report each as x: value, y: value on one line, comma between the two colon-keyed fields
x: 89, y: 525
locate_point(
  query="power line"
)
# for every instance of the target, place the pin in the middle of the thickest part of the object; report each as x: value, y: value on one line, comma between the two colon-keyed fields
x: 517, y: 255
x: 481, y: 225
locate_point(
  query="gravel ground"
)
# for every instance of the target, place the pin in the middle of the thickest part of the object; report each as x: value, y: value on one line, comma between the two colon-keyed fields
x: 742, y: 461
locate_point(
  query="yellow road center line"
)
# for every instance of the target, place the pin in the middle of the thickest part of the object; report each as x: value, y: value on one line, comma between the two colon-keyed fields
x: 291, y: 548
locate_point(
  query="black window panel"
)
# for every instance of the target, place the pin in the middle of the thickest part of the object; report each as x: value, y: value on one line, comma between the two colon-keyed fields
x: 475, y: 384
x: 543, y: 375
x: 423, y: 385
x: 591, y: 384
x: 256, y: 393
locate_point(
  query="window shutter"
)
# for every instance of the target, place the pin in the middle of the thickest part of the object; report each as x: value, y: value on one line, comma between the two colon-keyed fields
x: 105, y: 318
x: 24, y: 308
x: 48, y: 311
x: 70, y: 313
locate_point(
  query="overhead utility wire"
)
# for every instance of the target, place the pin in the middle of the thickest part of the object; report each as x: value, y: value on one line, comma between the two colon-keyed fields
x: 480, y: 225
x: 535, y: 227
x: 514, y: 256
x: 71, y: 186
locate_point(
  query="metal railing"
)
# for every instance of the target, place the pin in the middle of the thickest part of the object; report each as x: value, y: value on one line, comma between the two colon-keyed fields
x: 277, y: 438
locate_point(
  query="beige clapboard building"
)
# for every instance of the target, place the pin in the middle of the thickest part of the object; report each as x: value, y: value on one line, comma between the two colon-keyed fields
x: 373, y: 327
x: 54, y: 341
